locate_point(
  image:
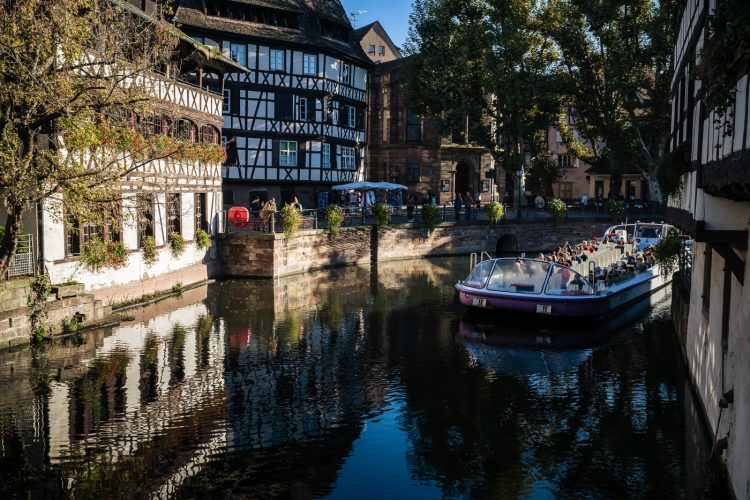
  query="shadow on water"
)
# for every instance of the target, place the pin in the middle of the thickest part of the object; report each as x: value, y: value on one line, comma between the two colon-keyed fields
x: 354, y: 382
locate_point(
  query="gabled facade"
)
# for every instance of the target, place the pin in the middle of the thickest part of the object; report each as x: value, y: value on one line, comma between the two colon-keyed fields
x: 376, y: 43
x: 295, y: 124
x: 713, y: 205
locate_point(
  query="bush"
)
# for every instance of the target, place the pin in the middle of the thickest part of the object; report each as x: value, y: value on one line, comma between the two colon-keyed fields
x: 97, y: 255
x: 495, y: 211
x: 382, y: 214
x: 430, y: 214
x: 615, y: 209
x: 334, y: 216
x: 202, y: 239
x: 669, y: 173
x: 176, y: 244
x: 558, y: 209
x: 150, y: 255
x: 291, y: 219
x: 667, y: 251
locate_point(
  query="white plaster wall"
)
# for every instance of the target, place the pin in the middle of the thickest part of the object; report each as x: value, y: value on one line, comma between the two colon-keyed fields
x: 738, y: 378
x: 720, y: 213
x: 187, y: 222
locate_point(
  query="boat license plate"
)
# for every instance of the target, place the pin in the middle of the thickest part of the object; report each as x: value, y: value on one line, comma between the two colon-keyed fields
x: 479, y: 302
x: 544, y: 308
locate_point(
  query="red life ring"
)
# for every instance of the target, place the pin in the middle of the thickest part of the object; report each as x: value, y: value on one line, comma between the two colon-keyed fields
x: 238, y: 217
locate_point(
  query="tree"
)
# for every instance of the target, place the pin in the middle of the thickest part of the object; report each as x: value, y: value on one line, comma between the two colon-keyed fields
x: 485, y: 70
x: 617, y: 59
x: 65, y: 66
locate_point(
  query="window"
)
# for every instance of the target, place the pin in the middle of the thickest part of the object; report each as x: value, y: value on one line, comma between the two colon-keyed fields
x: 599, y: 189
x: 412, y: 174
x: 225, y: 104
x: 371, y: 49
x: 174, y: 213
x: 144, y: 216
x: 287, y: 153
x: 310, y: 64
x: 564, y: 161
x: 209, y: 135
x: 413, y: 127
x: 326, y: 159
x: 238, y: 53
x: 201, y: 217
x: 283, y: 106
x: 351, y: 116
x: 348, y: 161
x: 277, y: 60
x: 346, y: 74
x: 381, y: 50
x: 302, y: 110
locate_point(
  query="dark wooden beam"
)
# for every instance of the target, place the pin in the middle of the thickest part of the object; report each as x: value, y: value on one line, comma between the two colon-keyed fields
x: 731, y: 261
x: 726, y: 237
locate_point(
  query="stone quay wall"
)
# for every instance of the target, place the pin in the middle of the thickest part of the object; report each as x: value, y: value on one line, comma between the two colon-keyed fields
x: 259, y: 255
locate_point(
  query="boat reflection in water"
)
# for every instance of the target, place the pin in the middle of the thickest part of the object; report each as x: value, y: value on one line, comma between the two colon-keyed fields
x: 503, y: 344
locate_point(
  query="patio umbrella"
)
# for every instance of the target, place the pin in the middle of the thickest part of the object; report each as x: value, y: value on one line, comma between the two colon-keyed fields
x: 368, y: 186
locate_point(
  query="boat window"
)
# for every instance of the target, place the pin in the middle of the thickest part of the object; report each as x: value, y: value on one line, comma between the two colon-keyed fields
x: 565, y: 281
x: 518, y: 276
x: 649, y: 232
x: 479, y: 274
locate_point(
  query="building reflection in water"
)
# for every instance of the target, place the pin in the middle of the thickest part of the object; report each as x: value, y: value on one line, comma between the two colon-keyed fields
x: 266, y: 388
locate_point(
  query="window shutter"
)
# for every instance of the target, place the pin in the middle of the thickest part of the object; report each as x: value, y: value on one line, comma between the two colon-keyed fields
x: 360, y: 119
x: 234, y: 96
x: 334, y: 156
x: 288, y: 106
x: 275, y: 153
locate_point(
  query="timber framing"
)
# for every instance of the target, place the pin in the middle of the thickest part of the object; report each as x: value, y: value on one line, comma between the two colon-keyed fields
x: 728, y: 177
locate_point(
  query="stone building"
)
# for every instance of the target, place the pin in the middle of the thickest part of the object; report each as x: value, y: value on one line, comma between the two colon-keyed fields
x: 406, y: 148
x: 713, y: 205
x: 295, y: 124
x: 376, y: 43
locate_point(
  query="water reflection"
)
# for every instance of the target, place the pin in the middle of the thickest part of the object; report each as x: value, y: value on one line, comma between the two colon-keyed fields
x: 355, y: 382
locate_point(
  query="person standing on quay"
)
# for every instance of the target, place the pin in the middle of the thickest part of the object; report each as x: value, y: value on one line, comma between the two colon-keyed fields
x: 457, y: 204
x: 468, y: 203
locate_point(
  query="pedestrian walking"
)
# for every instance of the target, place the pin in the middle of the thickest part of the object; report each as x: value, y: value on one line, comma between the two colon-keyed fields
x: 410, y: 207
x: 478, y: 200
x: 457, y: 203
x: 468, y: 204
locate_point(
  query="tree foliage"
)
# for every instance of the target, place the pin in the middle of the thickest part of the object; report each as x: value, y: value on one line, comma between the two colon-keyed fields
x: 64, y: 65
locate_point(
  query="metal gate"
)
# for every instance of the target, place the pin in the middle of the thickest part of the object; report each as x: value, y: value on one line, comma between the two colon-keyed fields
x: 23, y: 262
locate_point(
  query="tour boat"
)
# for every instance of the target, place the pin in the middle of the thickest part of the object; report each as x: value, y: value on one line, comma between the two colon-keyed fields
x: 538, y: 287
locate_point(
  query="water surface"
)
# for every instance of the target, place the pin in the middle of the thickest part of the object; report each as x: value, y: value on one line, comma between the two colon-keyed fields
x: 351, y: 383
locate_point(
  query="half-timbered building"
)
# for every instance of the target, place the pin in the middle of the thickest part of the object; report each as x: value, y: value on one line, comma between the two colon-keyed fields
x: 172, y: 194
x: 294, y: 125
x: 712, y: 145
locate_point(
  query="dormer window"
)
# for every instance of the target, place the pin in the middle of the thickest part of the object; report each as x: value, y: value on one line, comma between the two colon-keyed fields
x: 371, y: 49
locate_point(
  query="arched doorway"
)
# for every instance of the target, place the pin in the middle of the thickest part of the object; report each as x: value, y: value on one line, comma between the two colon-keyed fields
x: 463, y: 178
x: 506, y: 245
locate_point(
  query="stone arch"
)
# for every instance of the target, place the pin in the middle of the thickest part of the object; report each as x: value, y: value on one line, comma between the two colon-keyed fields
x: 506, y: 244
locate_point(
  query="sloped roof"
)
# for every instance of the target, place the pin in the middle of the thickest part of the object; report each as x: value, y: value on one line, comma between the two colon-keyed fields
x: 329, y: 9
x: 188, y: 15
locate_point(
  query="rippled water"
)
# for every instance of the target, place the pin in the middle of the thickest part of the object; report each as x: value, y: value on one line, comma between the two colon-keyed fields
x: 353, y: 383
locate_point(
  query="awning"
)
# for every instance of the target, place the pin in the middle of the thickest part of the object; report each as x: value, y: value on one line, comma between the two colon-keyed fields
x: 369, y: 186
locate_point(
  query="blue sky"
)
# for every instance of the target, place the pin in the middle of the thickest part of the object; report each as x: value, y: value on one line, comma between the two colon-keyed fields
x: 392, y: 14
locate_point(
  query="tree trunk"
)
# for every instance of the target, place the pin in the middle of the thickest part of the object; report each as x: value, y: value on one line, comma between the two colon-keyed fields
x: 615, y: 186
x: 10, y: 242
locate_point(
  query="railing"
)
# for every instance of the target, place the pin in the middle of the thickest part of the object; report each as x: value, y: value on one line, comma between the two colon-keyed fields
x: 23, y: 262
x: 270, y: 224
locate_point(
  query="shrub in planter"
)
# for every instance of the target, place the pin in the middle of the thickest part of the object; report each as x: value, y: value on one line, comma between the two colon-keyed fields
x: 667, y: 251
x: 558, y: 209
x: 291, y: 219
x: 150, y: 255
x: 176, y: 244
x: 495, y: 211
x: 202, y: 239
x: 430, y: 214
x: 97, y: 255
x: 382, y: 214
x: 615, y: 209
x: 671, y: 169
x: 334, y: 216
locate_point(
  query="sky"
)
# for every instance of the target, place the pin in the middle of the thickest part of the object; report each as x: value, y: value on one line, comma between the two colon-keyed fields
x: 392, y: 14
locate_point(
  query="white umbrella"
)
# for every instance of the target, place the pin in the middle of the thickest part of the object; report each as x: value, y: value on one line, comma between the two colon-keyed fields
x: 391, y: 186
x: 367, y: 186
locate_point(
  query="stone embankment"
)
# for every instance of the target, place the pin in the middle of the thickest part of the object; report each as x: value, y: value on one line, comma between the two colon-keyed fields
x: 260, y: 255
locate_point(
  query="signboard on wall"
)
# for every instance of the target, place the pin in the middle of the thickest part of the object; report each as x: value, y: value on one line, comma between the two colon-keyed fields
x: 322, y: 199
x: 445, y: 185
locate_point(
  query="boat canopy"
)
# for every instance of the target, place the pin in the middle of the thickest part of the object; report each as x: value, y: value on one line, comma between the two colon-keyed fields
x: 527, y: 276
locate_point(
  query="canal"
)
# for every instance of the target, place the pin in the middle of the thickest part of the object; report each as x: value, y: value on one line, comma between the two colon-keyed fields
x: 351, y: 383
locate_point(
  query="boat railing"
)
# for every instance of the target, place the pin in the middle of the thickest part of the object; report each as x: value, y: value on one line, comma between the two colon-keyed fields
x: 477, y: 258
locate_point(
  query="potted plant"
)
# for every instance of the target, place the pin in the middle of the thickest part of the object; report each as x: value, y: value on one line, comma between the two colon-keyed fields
x: 334, y: 216
x: 382, y: 214
x: 176, y: 244
x: 558, y: 209
x: 495, y: 211
x: 202, y: 239
x: 291, y: 219
x: 430, y: 214
x: 150, y: 255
